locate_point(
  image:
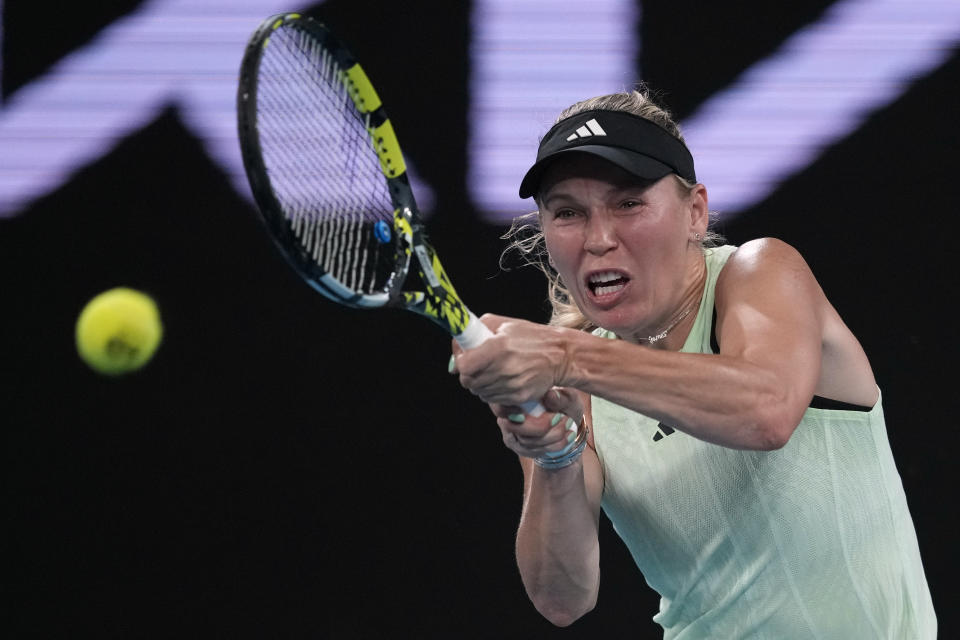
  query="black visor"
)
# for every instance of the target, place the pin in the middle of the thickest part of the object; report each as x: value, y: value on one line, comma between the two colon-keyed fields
x: 635, y: 144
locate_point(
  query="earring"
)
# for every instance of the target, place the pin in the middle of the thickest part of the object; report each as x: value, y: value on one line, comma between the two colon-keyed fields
x: 697, y: 236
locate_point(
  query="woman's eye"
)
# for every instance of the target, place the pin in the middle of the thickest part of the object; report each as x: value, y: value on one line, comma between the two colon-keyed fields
x: 629, y: 204
x: 565, y: 213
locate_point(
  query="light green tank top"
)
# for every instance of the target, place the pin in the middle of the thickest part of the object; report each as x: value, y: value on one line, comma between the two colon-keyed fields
x: 813, y: 540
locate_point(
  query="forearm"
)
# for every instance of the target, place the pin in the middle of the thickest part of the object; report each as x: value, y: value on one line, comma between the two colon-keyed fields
x: 721, y: 399
x: 557, y: 544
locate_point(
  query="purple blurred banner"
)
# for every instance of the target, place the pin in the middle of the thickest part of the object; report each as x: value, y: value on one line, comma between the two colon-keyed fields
x: 775, y: 120
x: 772, y: 122
x: 184, y: 53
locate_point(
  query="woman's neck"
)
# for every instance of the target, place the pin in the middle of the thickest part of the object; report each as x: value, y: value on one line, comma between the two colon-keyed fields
x: 673, y: 332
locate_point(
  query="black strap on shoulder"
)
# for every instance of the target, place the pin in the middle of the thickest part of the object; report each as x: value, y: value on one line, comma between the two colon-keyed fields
x: 714, y: 345
x: 819, y: 402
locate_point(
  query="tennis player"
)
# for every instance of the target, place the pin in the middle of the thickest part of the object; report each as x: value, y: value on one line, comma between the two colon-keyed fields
x: 707, y: 397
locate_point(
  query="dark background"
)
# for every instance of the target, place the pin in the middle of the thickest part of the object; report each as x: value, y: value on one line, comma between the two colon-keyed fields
x: 288, y: 468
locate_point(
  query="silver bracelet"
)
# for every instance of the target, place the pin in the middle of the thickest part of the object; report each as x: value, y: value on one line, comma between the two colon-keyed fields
x: 568, y: 455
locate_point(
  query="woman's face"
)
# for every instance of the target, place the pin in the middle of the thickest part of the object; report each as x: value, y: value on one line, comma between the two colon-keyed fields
x: 621, y: 246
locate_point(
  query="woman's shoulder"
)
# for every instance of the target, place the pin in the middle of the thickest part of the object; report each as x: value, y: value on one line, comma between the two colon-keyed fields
x: 764, y: 249
x: 765, y: 263
x: 763, y: 256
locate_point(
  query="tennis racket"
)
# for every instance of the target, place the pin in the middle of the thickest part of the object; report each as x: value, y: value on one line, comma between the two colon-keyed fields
x: 330, y: 181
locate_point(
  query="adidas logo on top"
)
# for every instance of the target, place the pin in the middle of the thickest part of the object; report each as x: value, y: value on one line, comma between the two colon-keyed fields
x: 591, y: 128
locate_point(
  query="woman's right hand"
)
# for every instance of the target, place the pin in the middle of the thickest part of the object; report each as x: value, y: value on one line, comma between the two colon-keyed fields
x: 533, y: 437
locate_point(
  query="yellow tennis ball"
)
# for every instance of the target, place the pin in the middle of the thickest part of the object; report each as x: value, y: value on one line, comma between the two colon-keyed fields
x: 118, y: 331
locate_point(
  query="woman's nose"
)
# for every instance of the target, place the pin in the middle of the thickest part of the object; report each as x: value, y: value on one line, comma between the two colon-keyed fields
x: 600, y: 235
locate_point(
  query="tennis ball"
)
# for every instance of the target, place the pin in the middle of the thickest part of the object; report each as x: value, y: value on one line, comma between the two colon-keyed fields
x: 118, y: 331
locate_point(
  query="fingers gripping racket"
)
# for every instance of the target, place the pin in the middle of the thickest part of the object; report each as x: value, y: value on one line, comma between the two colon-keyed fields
x: 330, y: 181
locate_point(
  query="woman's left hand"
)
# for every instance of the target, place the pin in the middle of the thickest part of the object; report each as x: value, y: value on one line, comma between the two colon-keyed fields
x: 520, y: 363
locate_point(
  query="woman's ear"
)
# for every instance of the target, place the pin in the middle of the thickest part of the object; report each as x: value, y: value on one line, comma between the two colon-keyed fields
x: 699, y: 210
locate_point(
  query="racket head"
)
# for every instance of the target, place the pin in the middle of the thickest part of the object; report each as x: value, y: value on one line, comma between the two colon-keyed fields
x: 324, y: 164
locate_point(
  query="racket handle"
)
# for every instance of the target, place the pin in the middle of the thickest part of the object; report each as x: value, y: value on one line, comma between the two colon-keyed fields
x: 476, y: 334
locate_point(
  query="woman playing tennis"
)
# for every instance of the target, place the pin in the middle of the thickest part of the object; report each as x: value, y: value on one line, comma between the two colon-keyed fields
x: 707, y: 397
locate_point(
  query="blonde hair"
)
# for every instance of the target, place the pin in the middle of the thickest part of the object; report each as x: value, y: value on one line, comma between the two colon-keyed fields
x: 526, y: 236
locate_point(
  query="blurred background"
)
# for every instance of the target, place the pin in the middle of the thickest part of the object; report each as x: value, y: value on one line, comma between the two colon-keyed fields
x: 288, y: 468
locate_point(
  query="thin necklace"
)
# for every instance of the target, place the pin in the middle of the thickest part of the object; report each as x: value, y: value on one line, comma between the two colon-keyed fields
x: 663, y: 334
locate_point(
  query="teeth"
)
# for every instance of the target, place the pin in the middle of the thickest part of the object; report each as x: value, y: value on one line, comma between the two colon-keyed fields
x: 602, y: 291
x: 606, y: 276
x: 606, y: 282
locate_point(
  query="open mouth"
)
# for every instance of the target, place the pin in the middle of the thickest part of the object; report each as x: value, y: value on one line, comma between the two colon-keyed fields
x: 605, y: 283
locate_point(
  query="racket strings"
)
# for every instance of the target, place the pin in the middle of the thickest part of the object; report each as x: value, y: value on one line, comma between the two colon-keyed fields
x: 321, y: 164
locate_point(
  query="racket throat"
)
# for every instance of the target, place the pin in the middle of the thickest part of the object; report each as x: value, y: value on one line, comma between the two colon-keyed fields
x: 410, y: 232
x: 426, y: 266
x: 440, y: 302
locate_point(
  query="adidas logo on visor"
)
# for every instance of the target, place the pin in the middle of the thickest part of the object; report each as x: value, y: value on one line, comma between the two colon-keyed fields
x: 591, y: 128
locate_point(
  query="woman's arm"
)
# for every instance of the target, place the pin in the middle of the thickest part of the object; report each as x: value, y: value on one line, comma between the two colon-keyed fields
x: 771, y: 319
x: 557, y: 541
x: 558, y: 548
x: 771, y: 324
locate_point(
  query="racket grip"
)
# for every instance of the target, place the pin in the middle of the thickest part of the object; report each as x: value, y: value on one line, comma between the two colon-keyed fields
x: 476, y: 334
